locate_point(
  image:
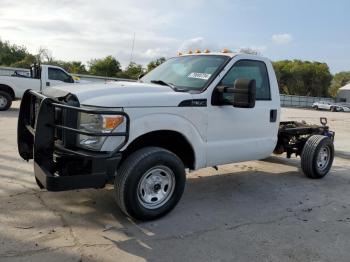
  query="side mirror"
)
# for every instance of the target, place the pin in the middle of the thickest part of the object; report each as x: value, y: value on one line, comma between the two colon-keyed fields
x: 244, y: 93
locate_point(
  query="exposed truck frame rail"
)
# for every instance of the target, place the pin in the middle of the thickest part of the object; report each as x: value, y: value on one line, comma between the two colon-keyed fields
x: 292, y: 136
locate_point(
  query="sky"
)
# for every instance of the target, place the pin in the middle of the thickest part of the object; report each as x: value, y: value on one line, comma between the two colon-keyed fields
x: 81, y: 30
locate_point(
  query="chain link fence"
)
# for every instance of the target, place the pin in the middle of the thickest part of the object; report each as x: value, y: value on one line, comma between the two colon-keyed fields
x: 302, y: 101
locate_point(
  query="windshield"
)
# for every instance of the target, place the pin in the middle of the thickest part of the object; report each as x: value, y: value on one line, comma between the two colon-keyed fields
x: 186, y: 72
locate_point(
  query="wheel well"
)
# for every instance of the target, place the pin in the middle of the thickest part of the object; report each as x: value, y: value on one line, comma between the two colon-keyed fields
x: 170, y: 140
x: 8, y: 90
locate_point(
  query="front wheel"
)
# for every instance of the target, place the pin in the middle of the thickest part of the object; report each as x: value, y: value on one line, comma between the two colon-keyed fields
x: 317, y: 156
x: 149, y: 183
x: 5, y: 101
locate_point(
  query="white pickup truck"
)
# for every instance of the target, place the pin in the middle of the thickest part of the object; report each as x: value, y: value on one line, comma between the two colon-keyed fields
x: 193, y: 111
x: 12, y: 87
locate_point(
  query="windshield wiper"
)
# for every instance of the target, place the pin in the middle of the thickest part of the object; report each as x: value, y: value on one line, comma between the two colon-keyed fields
x: 171, y: 85
x: 163, y: 83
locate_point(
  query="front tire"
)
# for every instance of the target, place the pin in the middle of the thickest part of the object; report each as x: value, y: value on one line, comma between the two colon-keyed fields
x: 317, y: 156
x: 5, y: 101
x: 149, y: 183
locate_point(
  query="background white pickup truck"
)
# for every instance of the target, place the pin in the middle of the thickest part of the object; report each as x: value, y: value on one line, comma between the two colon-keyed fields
x: 12, y: 87
x: 193, y: 111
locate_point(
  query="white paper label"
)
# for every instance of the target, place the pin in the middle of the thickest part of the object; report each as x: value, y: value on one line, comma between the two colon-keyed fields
x: 203, y: 76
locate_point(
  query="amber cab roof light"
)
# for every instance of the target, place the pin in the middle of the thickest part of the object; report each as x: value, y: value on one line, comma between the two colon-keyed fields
x: 226, y: 50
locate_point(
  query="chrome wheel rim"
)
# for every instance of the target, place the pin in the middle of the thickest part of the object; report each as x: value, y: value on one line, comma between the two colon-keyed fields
x: 3, y: 101
x: 323, y: 158
x: 156, y: 187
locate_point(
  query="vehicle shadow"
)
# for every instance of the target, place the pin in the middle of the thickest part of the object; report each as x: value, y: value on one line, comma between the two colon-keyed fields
x: 342, y: 154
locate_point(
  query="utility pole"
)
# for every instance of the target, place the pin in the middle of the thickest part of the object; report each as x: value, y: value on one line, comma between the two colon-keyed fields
x: 132, y: 48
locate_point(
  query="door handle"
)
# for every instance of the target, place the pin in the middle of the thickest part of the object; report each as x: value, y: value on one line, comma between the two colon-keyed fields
x: 273, y: 115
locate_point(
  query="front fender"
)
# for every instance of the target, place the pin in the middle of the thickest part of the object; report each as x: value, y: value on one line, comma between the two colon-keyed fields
x: 170, y: 122
x: 10, y: 85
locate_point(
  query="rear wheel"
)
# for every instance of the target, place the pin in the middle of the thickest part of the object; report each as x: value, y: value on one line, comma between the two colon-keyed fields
x: 316, y: 107
x: 5, y: 100
x: 149, y: 183
x: 317, y: 156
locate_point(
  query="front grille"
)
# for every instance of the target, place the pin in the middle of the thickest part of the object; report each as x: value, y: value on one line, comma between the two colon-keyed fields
x: 58, y: 121
x: 34, y: 111
x: 69, y: 119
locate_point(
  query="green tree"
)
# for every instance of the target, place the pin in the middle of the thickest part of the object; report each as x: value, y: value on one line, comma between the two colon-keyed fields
x: 303, y: 77
x: 26, y: 62
x: 132, y: 71
x: 339, y: 80
x: 107, y: 66
x: 10, y: 54
x: 75, y: 67
x: 153, y: 64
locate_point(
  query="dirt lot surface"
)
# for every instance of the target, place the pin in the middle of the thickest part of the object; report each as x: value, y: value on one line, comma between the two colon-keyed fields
x: 252, y: 211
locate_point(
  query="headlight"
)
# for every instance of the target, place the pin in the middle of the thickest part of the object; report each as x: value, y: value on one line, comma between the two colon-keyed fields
x: 97, y: 124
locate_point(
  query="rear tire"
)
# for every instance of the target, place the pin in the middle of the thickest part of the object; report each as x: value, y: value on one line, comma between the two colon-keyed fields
x: 149, y: 183
x: 5, y: 101
x: 316, y: 107
x: 317, y: 156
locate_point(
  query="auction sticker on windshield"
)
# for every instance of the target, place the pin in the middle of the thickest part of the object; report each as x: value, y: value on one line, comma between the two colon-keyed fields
x: 203, y: 76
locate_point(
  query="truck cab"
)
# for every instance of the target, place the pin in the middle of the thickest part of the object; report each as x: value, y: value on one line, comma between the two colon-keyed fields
x: 54, y: 75
x: 193, y: 111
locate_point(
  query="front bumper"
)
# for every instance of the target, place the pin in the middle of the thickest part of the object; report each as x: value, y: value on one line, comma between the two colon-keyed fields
x: 47, y: 131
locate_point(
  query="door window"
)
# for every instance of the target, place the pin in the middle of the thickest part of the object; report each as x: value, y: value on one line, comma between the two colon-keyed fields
x: 249, y: 69
x: 58, y: 74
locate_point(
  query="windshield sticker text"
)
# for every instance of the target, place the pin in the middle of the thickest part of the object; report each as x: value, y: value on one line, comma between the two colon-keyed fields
x: 203, y: 76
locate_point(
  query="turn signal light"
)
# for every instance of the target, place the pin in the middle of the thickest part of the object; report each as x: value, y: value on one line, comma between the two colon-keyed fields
x: 111, y: 122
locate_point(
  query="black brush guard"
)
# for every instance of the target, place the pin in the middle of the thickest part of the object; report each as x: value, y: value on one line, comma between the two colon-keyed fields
x: 43, y: 136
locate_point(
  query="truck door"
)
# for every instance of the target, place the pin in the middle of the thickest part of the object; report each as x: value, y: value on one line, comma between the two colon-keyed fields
x: 56, y: 76
x: 241, y: 134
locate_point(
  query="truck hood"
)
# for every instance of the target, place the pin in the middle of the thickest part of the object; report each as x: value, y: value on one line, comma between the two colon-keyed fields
x: 121, y: 94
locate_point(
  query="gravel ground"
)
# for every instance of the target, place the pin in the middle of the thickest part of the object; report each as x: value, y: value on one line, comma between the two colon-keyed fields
x: 251, y: 211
